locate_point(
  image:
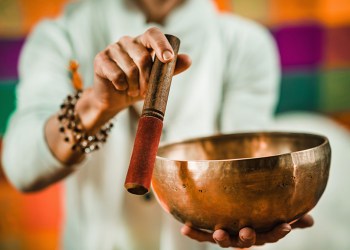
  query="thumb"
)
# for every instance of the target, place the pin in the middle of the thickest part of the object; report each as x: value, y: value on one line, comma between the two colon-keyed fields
x: 183, y: 63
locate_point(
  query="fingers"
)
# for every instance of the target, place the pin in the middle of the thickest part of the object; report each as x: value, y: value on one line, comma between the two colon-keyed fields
x: 197, y: 235
x: 245, y: 239
x: 247, y: 236
x: 141, y: 57
x: 304, y: 222
x: 273, y: 236
x: 107, y: 69
x: 155, y: 40
x: 127, y: 63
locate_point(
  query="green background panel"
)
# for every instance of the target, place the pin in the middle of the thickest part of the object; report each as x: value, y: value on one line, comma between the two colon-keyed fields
x: 299, y: 91
x: 335, y: 91
x: 7, y: 102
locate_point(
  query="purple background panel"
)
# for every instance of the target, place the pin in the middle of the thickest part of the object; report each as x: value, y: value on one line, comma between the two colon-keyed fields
x: 300, y: 45
x: 9, y: 54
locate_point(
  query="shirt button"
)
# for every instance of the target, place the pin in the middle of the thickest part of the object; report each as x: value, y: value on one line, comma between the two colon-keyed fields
x: 148, y: 197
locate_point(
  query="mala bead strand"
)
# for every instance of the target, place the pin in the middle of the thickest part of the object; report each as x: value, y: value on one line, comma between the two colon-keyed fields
x: 70, y: 121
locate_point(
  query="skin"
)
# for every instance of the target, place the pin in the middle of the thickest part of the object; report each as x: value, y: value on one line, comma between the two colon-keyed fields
x: 121, y: 74
x: 247, y: 237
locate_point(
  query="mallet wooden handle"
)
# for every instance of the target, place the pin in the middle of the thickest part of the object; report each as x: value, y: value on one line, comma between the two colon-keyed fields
x: 138, y: 179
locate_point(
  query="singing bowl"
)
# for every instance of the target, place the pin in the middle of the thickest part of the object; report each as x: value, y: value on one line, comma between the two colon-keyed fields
x: 232, y: 181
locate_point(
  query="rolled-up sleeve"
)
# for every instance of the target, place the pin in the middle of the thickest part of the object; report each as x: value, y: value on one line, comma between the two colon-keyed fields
x: 44, y: 82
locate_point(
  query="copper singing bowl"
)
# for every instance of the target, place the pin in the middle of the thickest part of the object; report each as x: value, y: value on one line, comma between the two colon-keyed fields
x: 250, y: 179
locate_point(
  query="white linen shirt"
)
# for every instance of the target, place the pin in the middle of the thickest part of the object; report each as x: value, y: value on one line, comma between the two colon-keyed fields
x: 231, y: 86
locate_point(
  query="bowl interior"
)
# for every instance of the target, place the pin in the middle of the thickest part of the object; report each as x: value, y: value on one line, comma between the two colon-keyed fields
x: 240, y: 146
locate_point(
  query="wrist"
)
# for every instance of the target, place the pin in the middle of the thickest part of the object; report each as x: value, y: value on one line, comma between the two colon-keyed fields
x: 92, y: 113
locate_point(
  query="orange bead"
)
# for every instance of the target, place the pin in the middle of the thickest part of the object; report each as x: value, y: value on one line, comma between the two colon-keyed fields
x: 73, y: 65
x: 77, y: 81
x: 76, y: 78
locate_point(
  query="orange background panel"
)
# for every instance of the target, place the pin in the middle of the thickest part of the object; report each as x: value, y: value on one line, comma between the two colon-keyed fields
x: 335, y: 12
x: 286, y: 11
x: 329, y: 12
x: 34, y: 10
x: 30, y: 222
x: 224, y: 5
x: 46, y: 212
x: 41, y: 240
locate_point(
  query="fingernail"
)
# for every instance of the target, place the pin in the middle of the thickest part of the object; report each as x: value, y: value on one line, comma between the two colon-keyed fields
x: 220, y: 238
x: 121, y: 84
x: 220, y: 235
x: 167, y: 55
x: 122, y: 87
x: 249, y: 237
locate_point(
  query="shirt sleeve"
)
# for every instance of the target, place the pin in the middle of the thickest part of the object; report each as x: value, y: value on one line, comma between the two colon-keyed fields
x: 44, y: 82
x: 252, y: 78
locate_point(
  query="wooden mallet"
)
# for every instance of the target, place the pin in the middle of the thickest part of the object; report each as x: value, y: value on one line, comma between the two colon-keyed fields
x: 138, y: 178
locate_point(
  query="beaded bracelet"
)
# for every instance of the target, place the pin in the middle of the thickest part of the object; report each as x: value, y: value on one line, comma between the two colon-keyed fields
x: 69, y: 119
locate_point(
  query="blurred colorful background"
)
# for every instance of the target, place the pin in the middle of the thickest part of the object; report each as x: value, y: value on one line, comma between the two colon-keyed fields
x: 313, y: 37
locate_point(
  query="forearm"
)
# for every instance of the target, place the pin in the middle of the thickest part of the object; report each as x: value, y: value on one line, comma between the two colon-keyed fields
x: 35, y: 153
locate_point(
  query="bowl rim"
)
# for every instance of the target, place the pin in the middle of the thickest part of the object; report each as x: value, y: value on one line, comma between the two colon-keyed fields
x: 324, y: 138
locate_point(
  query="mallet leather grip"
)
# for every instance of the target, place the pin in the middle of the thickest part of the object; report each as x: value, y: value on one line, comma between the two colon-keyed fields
x: 138, y: 178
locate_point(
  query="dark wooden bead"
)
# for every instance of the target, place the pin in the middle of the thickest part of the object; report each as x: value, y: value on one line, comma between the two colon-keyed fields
x: 83, y: 142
